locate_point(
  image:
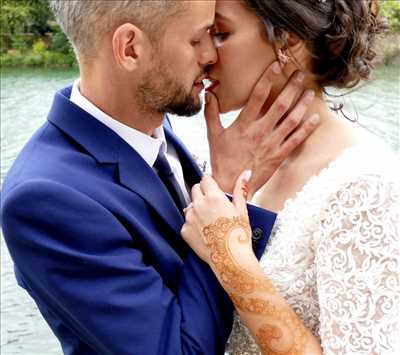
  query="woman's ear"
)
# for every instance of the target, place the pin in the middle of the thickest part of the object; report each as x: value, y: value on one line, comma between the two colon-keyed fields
x: 288, y: 43
x: 297, y: 50
x: 296, y: 46
x: 129, y: 43
x: 292, y: 40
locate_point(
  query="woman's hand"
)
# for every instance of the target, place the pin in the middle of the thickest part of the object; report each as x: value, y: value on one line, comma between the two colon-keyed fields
x: 266, y: 138
x: 219, y: 232
x: 209, y: 203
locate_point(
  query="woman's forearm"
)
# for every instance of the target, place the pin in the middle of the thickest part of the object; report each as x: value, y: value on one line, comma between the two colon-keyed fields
x: 271, y: 320
x: 273, y: 323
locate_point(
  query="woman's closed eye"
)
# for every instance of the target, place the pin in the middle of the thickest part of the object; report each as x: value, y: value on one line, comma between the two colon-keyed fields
x: 219, y: 38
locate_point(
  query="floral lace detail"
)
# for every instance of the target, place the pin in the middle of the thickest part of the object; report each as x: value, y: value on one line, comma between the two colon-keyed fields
x: 358, y: 276
x: 334, y: 254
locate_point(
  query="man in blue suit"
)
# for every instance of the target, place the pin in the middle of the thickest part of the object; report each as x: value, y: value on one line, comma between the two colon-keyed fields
x: 91, y: 222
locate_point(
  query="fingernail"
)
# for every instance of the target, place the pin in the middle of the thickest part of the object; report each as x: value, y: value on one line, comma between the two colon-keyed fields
x: 247, y: 175
x: 276, y: 68
x: 309, y: 95
x: 314, y: 119
x: 300, y: 77
x: 245, y: 190
x: 207, y: 98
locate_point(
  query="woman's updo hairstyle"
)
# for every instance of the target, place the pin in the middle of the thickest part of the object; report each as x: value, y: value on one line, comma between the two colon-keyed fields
x: 340, y: 34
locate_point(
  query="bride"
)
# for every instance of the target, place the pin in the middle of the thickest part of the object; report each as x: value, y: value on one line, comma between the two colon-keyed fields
x: 329, y: 279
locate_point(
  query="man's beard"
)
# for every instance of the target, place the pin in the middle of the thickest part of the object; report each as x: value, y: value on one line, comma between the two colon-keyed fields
x: 161, y: 92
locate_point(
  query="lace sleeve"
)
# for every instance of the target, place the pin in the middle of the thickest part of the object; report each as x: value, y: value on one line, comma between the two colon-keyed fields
x: 358, y: 269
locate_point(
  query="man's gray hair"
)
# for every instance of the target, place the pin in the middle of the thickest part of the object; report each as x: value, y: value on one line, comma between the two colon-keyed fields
x: 85, y: 22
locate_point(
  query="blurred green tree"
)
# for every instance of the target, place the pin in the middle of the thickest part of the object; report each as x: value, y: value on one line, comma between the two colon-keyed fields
x: 391, y: 10
x: 24, y: 24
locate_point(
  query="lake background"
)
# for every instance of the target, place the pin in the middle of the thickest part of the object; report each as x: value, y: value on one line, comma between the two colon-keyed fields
x: 26, y: 96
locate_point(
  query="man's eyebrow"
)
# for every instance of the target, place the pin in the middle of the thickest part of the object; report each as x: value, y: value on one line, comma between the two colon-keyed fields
x: 204, y: 29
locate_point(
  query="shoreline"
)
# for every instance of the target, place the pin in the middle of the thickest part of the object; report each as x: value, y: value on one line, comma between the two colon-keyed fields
x: 388, y: 53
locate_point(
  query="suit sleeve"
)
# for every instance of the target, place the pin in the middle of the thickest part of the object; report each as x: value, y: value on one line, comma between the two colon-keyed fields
x: 80, y: 261
x: 262, y: 221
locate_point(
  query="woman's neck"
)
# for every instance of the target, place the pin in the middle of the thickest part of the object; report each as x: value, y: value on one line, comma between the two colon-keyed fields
x: 329, y: 138
x: 320, y: 107
x: 324, y: 145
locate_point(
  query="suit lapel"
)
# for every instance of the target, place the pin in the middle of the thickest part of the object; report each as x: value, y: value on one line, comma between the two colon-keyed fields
x: 107, y: 147
x: 138, y: 176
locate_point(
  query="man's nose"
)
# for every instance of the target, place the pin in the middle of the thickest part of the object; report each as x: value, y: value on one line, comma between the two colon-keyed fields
x: 209, y: 53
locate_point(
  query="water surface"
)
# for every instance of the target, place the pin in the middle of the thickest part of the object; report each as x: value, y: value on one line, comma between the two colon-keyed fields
x: 26, y: 96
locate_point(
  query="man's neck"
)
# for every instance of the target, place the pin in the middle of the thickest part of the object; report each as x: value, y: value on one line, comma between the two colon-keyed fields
x: 111, y: 97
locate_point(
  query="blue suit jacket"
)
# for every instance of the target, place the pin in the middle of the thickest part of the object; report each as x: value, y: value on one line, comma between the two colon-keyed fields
x: 95, y: 238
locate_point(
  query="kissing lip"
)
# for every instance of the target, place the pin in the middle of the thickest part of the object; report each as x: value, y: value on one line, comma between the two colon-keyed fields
x: 199, y: 83
x: 200, y: 80
x: 213, y: 85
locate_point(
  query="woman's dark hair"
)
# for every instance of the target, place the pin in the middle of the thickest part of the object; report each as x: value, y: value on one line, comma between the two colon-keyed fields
x: 340, y: 34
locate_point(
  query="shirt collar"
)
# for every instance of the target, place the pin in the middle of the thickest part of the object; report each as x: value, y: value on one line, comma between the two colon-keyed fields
x: 148, y: 147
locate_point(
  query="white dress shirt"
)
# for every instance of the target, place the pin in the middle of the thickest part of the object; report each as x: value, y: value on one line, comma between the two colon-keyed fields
x: 147, y: 146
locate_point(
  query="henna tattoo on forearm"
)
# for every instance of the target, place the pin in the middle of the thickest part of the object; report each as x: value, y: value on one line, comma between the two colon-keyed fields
x: 281, y: 332
x: 230, y: 273
x: 268, y: 335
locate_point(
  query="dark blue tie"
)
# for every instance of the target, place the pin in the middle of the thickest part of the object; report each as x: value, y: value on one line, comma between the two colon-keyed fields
x: 167, y: 177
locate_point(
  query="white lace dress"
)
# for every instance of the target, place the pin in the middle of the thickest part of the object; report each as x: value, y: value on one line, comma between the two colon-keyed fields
x: 334, y: 255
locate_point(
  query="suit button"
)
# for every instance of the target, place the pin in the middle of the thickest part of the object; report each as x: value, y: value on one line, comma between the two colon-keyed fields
x: 257, y: 234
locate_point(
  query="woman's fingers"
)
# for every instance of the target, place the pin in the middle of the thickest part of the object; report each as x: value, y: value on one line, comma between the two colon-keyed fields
x: 300, y: 135
x: 274, y: 151
x: 194, y: 239
x: 295, y: 117
x: 209, y: 186
x: 211, y: 113
x: 241, y: 191
x: 259, y: 95
x: 283, y: 103
x: 197, y: 194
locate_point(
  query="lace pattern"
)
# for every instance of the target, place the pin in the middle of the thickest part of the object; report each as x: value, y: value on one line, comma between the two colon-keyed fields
x: 334, y: 254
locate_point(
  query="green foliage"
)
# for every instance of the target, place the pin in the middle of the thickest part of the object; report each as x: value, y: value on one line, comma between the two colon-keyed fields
x: 15, y: 17
x: 391, y: 10
x: 13, y: 58
x: 59, y: 42
x: 41, y: 58
x: 19, y: 16
x: 31, y: 37
x: 39, y: 47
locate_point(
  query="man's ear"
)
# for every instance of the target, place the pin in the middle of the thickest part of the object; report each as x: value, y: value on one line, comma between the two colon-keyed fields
x: 129, y: 44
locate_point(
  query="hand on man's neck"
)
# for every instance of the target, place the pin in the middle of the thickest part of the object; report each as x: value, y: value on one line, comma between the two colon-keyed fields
x: 104, y: 90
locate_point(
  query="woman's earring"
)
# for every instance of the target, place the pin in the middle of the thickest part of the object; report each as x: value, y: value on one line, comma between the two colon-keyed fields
x: 283, y: 58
